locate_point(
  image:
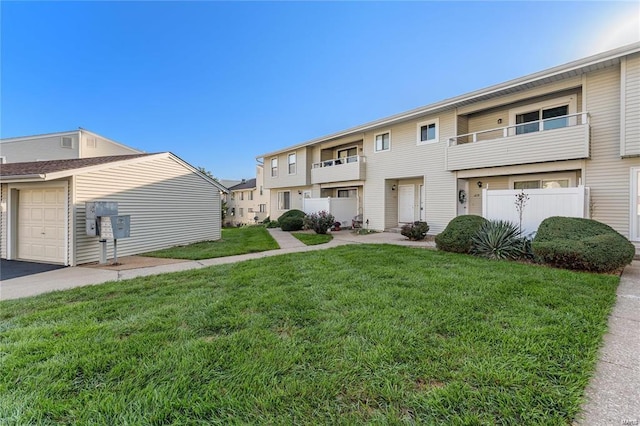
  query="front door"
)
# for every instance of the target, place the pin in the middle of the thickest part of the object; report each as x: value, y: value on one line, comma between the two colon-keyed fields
x: 406, y: 202
x: 423, y: 216
x: 41, y: 225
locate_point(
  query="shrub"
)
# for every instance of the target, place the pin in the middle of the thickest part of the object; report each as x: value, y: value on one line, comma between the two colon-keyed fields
x: 292, y: 213
x: 457, y: 235
x: 291, y: 223
x: 499, y: 239
x: 415, y: 231
x: 320, y: 222
x: 582, y: 244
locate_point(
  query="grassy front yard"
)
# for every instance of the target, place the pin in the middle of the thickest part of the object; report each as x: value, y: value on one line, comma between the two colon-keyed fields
x: 247, y: 239
x: 312, y: 239
x: 353, y: 334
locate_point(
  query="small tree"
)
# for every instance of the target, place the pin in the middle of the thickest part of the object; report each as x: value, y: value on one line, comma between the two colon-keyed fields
x: 521, y: 202
x: 320, y: 222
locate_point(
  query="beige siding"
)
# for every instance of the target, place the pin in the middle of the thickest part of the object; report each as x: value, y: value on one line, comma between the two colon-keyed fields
x: 301, y: 177
x: 92, y: 145
x: 3, y: 220
x: 607, y: 174
x: 407, y: 160
x: 295, y: 200
x: 631, y: 126
x: 39, y: 148
x: 168, y: 203
x: 474, y: 198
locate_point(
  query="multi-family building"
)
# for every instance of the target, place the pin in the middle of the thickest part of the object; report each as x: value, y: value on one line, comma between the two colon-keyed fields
x: 573, y: 126
x: 247, y: 201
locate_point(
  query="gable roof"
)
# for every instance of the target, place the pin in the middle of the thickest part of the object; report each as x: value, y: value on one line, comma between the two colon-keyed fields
x: 79, y: 131
x: 39, y: 171
x: 578, y: 67
x: 247, y: 184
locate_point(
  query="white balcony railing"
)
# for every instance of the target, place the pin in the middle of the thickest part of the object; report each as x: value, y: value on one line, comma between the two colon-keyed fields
x: 338, y: 169
x: 338, y: 161
x: 522, y: 129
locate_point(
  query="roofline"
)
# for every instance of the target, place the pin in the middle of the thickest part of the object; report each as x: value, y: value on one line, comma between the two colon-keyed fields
x: 111, y: 140
x: 470, y: 96
x: 24, y: 178
x: 204, y: 176
x: 70, y: 132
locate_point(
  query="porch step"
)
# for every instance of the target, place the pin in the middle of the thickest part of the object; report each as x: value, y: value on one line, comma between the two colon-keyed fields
x: 397, y: 230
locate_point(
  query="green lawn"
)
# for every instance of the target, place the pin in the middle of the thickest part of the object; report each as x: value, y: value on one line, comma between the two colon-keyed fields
x: 354, y: 334
x: 247, y: 239
x: 312, y: 239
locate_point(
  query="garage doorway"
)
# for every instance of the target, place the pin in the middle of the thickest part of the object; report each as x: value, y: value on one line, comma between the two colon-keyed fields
x: 41, y: 224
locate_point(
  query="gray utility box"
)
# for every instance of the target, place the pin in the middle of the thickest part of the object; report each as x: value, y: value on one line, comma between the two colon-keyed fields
x: 114, y: 227
x: 95, y: 210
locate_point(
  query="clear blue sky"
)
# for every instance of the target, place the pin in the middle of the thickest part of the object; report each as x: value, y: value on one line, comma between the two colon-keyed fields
x: 218, y: 83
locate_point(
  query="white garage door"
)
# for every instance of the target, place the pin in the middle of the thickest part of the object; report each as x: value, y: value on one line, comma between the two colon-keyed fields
x: 41, y: 225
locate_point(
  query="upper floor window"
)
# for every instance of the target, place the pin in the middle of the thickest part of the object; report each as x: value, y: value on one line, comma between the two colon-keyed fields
x: 291, y: 160
x: 427, y: 131
x: 241, y: 195
x: 261, y: 190
x: 251, y: 195
x: 545, y: 115
x: 274, y: 167
x: 350, y: 155
x: 66, y: 142
x: 3, y: 160
x: 263, y: 208
x: 383, y: 141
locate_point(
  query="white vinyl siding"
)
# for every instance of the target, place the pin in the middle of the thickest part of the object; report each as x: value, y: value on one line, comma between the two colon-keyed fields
x: 95, y: 146
x: 302, y: 175
x: 630, y: 141
x: 3, y: 221
x: 168, y: 203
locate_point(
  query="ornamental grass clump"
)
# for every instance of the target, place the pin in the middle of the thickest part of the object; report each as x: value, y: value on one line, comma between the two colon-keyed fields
x: 499, y: 239
x: 415, y: 231
x: 320, y: 222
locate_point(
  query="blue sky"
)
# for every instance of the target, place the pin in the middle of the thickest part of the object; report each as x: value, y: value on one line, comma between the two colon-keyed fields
x: 218, y: 83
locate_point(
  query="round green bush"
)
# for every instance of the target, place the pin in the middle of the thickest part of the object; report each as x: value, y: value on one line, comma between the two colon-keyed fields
x: 415, y: 231
x: 291, y: 223
x: 458, y: 234
x: 581, y: 244
x: 292, y: 213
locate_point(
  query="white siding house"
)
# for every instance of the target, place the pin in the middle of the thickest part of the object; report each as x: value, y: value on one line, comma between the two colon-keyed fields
x: 43, y: 205
x: 573, y: 125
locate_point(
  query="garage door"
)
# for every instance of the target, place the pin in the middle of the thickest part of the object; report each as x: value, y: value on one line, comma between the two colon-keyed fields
x: 41, y: 225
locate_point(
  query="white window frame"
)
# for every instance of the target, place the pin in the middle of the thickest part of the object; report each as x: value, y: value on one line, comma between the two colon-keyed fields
x: 289, y: 163
x: 281, y: 202
x: 274, y: 167
x: 250, y: 195
x: 241, y: 195
x: 3, y: 159
x: 571, y: 101
x: 420, y: 125
x: 375, y: 141
x: 634, y: 199
x: 570, y: 176
x: 241, y: 211
x: 263, y: 208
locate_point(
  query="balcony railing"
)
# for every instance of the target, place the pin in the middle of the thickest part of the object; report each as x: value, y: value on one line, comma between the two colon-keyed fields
x: 522, y: 129
x: 338, y: 161
x: 338, y: 169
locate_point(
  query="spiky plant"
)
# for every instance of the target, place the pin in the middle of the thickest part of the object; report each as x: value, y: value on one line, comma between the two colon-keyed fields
x: 498, y: 239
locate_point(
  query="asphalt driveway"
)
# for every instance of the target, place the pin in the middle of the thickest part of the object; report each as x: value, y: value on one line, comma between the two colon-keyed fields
x: 16, y: 268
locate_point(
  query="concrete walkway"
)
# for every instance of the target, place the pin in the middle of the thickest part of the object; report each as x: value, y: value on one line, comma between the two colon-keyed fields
x: 612, y: 397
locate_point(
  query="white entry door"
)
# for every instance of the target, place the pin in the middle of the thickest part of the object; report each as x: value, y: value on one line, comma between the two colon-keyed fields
x: 423, y: 216
x: 406, y: 203
x: 41, y: 225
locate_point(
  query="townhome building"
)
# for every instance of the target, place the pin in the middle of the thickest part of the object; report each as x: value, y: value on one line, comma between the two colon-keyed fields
x: 572, y: 126
x: 247, y: 201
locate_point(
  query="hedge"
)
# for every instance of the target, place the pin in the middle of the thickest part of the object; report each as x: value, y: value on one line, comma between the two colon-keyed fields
x: 458, y: 234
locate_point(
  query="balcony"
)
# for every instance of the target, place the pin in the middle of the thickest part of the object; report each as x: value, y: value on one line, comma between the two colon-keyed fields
x: 338, y: 170
x: 553, y: 139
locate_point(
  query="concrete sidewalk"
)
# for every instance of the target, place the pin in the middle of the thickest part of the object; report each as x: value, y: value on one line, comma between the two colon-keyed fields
x: 612, y: 397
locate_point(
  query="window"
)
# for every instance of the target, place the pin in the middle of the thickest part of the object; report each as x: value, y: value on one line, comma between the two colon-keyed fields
x: 250, y: 210
x: 91, y: 143
x: 274, y: 167
x: 427, y: 131
x: 350, y: 155
x: 291, y: 161
x: 383, y: 141
x: 543, y: 183
x: 241, y: 195
x: 250, y: 195
x: 261, y: 190
x: 542, y: 116
x: 241, y: 211
x: 66, y: 142
x: 263, y: 208
x: 3, y: 160
x: 284, y: 200
x: 347, y: 193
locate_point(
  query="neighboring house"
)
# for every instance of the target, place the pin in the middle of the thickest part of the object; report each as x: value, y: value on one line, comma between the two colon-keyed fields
x: 60, y: 146
x: 43, y: 205
x: 248, y: 201
x: 573, y: 125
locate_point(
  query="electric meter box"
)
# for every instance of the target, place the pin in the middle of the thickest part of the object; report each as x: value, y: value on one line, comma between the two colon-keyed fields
x: 114, y: 227
x: 96, y: 209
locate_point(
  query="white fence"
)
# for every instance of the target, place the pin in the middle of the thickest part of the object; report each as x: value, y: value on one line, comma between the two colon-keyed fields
x: 344, y: 209
x: 542, y: 203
